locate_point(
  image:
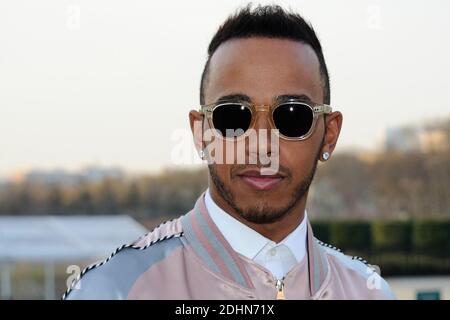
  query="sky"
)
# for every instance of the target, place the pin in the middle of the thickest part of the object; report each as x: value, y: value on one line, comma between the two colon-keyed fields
x: 110, y: 83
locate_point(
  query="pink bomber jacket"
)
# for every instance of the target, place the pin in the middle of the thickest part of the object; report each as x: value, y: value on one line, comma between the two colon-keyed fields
x: 188, y: 258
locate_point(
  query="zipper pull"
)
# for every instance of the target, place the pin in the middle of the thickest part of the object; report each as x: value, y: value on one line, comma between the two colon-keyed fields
x: 280, y: 290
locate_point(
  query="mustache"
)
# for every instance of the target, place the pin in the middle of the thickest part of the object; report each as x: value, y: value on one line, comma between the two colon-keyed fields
x: 238, y: 168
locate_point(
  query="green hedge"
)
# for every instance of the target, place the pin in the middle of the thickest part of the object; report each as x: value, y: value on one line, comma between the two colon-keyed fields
x: 429, y: 237
x: 321, y: 230
x: 398, y: 247
x: 432, y: 237
x: 391, y: 236
x: 354, y: 236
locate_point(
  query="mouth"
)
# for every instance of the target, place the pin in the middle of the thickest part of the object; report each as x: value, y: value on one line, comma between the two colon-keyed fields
x: 256, y: 180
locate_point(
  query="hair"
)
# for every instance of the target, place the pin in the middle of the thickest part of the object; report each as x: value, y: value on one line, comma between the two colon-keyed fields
x: 270, y: 21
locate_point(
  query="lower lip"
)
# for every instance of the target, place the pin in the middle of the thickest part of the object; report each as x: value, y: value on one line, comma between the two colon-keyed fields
x: 261, y: 182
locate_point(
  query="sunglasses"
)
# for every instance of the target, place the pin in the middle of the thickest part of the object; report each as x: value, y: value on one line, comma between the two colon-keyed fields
x: 294, y: 119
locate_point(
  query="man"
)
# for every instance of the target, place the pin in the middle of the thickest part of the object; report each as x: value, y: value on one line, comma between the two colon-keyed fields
x: 248, y: 236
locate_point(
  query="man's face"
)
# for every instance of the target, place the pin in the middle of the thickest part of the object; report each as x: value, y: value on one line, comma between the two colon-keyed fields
x: 262, y: 69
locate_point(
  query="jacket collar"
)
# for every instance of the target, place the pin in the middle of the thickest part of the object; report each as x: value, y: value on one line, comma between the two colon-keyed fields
x: 317, y: 261
x: 210, y: 245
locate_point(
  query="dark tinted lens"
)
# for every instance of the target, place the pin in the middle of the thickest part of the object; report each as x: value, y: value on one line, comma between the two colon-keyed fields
x: 231, y: 119
x: 293, y: 120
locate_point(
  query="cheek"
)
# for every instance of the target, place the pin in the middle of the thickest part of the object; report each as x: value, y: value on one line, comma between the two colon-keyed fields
x: 298, y: 157
x: 302, y: 154
x: 223, y: 171
x: 294, y: 158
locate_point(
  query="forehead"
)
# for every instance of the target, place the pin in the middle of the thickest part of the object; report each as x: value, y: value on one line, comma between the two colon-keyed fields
x: 263, y: 68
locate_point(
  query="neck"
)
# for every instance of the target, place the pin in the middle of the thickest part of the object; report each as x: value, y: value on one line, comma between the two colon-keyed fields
x: 275, y: 231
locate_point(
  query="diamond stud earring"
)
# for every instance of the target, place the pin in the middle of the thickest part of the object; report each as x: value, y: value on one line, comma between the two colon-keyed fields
x: 326, y: 156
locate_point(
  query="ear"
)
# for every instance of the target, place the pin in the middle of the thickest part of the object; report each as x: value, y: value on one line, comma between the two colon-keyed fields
x: 333, y: 125
x: 196, y: 122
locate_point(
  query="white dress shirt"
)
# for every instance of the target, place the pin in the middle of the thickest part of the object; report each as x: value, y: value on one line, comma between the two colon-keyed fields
x: 278, y: 258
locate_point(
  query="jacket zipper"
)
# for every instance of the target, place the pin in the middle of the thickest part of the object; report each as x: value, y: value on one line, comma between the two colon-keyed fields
x: 280, y: 289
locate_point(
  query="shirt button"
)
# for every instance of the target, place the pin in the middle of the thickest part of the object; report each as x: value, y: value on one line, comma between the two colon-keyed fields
x: 273, y: 252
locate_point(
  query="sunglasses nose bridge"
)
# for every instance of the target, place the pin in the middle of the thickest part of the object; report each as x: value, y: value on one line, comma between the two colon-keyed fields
x: 262, y: 121
x: 262, y: 108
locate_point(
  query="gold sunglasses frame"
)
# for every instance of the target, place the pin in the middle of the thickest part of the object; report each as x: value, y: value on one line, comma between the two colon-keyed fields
x: 316, y: 108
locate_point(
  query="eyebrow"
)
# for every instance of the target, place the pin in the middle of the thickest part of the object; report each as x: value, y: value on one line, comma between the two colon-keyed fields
x: 235, y: 97
x: 280, y: 98
x: 285, y: 97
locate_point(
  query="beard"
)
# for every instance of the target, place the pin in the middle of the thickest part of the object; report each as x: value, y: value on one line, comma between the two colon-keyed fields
x: 263, y: 212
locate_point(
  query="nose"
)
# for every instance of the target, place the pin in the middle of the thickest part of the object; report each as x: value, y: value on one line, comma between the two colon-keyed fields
x: 262, y: 118
x: 262, y: 127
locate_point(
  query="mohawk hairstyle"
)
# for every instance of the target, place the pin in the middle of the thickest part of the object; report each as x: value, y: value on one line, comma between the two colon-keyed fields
x: 270, y: 21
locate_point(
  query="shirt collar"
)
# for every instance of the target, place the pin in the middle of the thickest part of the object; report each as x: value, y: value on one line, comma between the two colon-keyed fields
x: 247, y: 241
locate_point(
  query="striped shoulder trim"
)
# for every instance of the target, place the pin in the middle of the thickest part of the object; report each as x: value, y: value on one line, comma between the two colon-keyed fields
x: 356, y: 258
x: 374, y: 267
x: 142, y: 243
x: 328, y: 246
x: 160, y: 232
x: 360, y: 259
